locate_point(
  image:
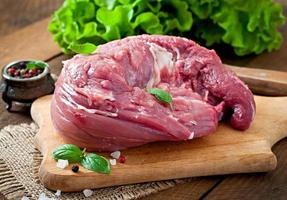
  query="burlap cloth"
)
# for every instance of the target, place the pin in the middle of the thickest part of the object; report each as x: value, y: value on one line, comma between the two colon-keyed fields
x: 19, y: 164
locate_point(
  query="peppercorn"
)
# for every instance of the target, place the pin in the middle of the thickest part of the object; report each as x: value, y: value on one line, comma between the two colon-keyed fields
x: 39, y: 71
x: 33, y: 72
x: 122, y: 159
x: 27, y: 75
x: 11, y: 71
x: 75, y: 168
x: 22, y: 71
x: 22, y: 65
x: 17, y: 73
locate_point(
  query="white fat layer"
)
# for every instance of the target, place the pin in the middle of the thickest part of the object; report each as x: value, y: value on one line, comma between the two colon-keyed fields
x: 162, y: 58
x: 177, y: 52
x: 190, y: 100
x: 97, y: 93
x: 69, y: 101
x: 173, y: 117
x: 191, y: 136
x: 95, y: 111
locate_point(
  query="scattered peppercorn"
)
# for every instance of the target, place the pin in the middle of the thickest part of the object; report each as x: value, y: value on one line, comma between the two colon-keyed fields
x: 122, y: 159
x: 75, y: 168
x: 33, y: 71
x: 17, y: 73
x: 21, y: 71
x: 26, y: 75
x: 22, y: 65
x: 11, y: 71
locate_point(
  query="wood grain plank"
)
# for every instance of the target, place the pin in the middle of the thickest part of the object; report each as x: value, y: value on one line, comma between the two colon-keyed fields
x: 262, y: 81
x: 17, y: 14
x: 259, y: 186
x: 34, y: 42
x: 191, y: 190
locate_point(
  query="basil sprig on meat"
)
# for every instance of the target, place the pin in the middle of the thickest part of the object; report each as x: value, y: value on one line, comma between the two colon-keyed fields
x: 161, y: 95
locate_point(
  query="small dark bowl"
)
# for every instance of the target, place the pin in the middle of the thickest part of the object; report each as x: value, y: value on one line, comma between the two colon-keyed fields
x: 25, y: 90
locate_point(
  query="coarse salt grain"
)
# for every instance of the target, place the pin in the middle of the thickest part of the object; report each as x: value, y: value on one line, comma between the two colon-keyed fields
x: 113, y: 161
x: 87, y: 192
x: 62, y: 163
x: 25, y: 198
x: 43, y: 196
x: 58, y: 193
x: 116, y: 154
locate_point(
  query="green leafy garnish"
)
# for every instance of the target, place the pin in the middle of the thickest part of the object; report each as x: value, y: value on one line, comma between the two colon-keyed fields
x: 69, y: 152
x: 96, y: 163
x: 74, y: 154
x: 36, y: 64
x: 161, y: 95
x: 79, y: 26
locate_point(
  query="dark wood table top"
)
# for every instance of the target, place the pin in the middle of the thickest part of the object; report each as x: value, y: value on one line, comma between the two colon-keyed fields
x: 17, y: 20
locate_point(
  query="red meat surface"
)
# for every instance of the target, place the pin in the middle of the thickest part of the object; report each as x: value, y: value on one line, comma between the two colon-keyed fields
x: 101, y: 101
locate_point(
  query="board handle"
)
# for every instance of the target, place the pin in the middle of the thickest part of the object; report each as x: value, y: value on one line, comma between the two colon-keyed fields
x: 273, y: 117
x: 262, y: 81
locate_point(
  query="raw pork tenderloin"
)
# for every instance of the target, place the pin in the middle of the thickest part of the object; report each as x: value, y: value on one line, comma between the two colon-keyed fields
x: 101, y: 101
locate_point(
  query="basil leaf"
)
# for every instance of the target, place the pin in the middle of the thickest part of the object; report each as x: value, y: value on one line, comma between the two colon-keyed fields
x: 96, y: 163
x: 36, y: 64
x: 161, y: 95
x: 69, y: 152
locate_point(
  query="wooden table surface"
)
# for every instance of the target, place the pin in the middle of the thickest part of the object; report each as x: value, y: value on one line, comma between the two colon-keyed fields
x: 23, y: 26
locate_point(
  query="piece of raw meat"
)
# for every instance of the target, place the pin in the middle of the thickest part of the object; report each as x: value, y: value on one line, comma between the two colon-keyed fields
x: 101, y: 101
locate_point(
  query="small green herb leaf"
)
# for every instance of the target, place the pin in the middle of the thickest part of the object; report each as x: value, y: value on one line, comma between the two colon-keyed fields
x: 36, y: 64
x: 96, y: 163
x: 69, y: 152
x: 161, y: 95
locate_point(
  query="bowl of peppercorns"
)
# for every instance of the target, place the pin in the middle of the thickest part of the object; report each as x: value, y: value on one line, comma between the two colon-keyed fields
x: 24, y: 81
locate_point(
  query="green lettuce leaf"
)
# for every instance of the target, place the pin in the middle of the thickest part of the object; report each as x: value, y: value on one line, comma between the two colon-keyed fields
x: 249, y: 27
x: 85, y: 48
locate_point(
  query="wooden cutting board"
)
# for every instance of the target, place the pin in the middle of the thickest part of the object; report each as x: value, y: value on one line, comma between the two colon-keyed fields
x: 224, y: 152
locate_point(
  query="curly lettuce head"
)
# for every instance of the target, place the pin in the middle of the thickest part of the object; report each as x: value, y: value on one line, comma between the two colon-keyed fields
x: 79, y: 26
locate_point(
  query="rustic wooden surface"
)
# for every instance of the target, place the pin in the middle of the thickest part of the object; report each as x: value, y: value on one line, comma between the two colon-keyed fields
x: 15, y: 14
x: 263, y: 81
x: 227, y: 151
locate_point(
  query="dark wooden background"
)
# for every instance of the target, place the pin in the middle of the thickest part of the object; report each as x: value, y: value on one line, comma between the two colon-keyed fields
x: 17, y: 14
